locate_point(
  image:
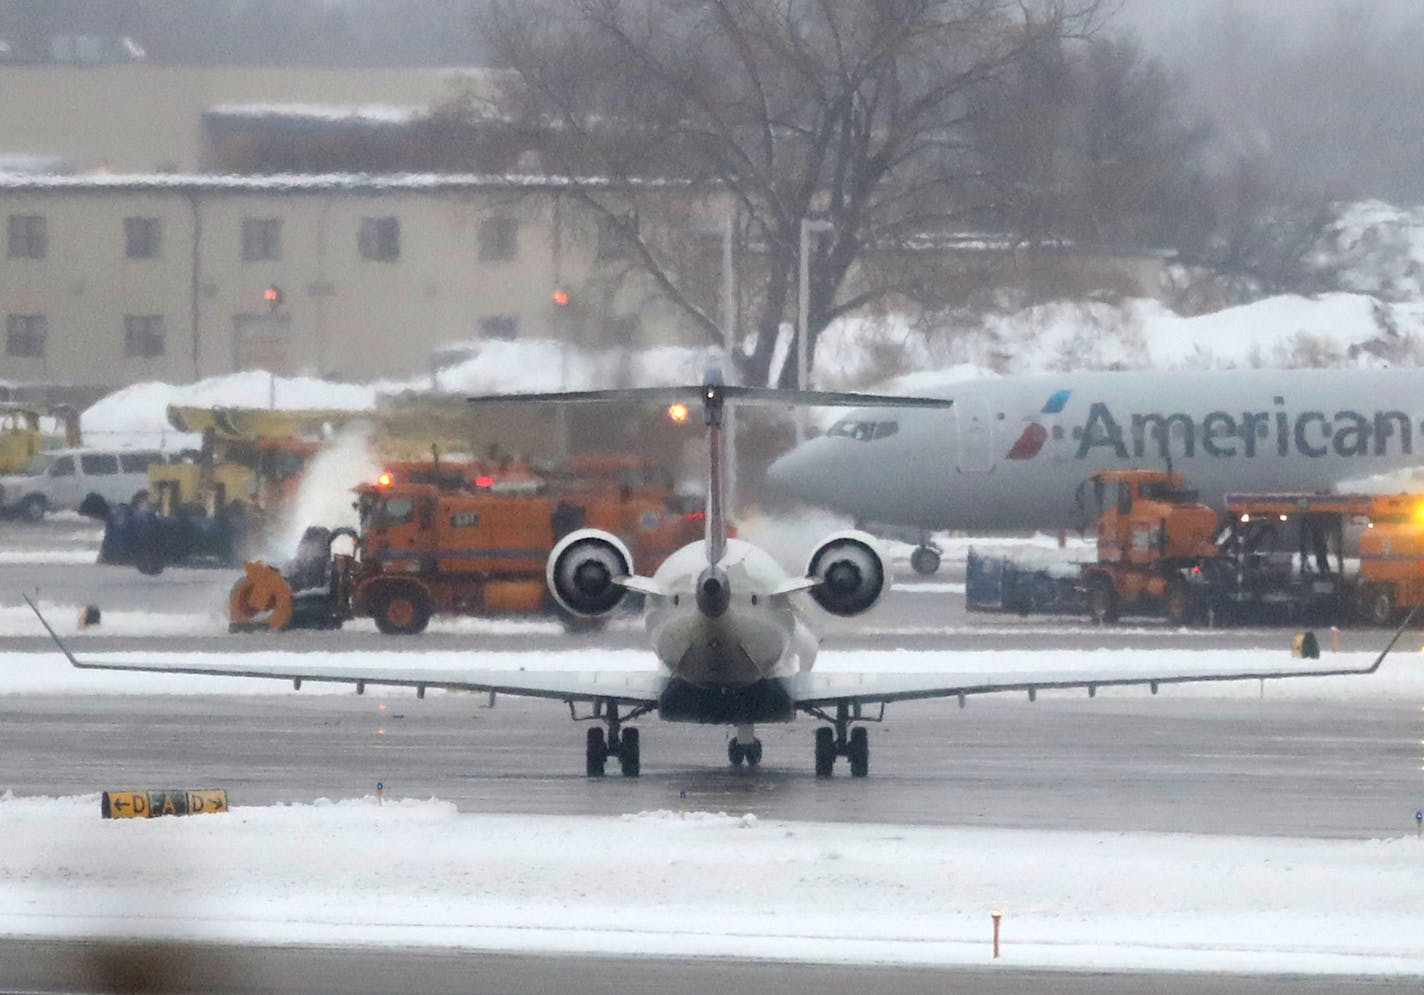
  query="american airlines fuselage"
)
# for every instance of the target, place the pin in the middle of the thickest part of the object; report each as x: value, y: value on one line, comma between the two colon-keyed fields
x: 1011, y: 453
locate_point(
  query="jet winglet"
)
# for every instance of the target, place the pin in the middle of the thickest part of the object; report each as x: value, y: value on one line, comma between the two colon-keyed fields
x: 74, y: 661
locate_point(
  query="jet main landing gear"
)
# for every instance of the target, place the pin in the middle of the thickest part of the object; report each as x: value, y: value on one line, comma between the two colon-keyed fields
x: 620, y: 741
x: 744, y: 746
x: 924, y: 560
x: 842, y: 741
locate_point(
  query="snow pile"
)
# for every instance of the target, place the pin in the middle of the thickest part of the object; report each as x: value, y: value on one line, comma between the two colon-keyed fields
x: 138, y: 415
x: 711, y: 884
x: 1376, y: 248
x: 1327, y: 330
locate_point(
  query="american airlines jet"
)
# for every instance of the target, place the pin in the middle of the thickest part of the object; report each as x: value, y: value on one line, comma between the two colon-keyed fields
x: 1013, y: 453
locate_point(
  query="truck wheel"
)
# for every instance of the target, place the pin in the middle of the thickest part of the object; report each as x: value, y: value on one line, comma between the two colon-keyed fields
x: 1180, y: 609
x: 1103, y: 604
x: 924, y: 560
x: 1379, y: 608
x: 402, y: 611
x: 32, y: 509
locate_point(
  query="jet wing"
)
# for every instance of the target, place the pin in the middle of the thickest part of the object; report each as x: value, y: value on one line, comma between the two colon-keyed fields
x: 631, y: 687
x: 825, y: 690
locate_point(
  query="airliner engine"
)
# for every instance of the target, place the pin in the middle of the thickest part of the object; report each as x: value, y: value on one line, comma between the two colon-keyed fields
x: 582, y: 568
x: 851, y: 571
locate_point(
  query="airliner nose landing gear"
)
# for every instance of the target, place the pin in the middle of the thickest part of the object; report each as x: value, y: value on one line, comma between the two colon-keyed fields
x: 924, y: 560
x: 621, y: 742
x: 842, y: 741
x: 744, y: 746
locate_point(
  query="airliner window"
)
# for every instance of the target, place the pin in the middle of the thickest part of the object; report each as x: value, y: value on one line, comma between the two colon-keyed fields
x: 886, y: 428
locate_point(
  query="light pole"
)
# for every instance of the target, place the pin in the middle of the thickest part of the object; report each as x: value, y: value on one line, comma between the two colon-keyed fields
x: 803, y: 320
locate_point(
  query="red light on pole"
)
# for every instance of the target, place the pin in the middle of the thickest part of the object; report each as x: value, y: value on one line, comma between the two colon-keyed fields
x: 273, y: 296
x: 560, y: 297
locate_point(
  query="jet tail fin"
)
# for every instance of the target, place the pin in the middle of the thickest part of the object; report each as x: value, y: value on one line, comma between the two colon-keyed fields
x: 714, y: 395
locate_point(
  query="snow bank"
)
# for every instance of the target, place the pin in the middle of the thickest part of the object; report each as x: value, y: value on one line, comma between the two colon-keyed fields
x: 695, y: 883
x: 137, y: 415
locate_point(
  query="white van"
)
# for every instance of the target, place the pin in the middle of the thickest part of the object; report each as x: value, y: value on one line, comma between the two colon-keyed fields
x: 63, y: 478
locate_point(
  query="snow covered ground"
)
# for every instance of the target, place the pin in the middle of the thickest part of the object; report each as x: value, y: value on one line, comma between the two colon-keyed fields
x: 418, y: 873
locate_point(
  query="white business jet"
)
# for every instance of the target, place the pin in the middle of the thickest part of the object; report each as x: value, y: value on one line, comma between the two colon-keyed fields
x: 726, y: 623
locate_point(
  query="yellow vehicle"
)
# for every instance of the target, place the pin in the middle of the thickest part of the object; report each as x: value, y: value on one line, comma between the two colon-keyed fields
x: 210, y: 508
x: 22, y: 436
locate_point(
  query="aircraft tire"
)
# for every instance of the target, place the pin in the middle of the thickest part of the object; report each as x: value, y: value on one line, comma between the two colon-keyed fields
x: 596, y: 752
x: 858, y: 752
x: 825, y: 751
x: 1179, y: 603
x: 924, y: 560
x: 753, y: 753
x: 630, y: 759
x: 1102, y: 601
x: 1379, y: 606
x: 735, y: 753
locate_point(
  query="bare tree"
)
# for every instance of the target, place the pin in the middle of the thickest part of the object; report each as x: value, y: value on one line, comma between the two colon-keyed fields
x: 854, y: 112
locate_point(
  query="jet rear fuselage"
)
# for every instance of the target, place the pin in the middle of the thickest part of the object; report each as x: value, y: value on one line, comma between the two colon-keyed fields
x: 734, y: 667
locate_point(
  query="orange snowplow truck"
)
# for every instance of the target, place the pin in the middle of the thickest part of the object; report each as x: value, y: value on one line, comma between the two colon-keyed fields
x: 1151, y: 531
x: 420, y: 550
x: 465, y: 544
x: 424, y: 551
x: 1392, y: 558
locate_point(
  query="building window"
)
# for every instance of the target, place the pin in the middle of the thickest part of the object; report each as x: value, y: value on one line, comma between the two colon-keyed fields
x: 615, y: 236
x: 25, y: 335
x: 261, y: 239
x: 142, y: 238
x: 143, y: 335
x: 29, y: 237
x: 379, y: 239
x: 499, y: 326
x: 499, y: 239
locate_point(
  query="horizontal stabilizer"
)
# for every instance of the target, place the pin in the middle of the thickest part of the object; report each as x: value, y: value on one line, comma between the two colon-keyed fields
x: 762, y: 396
x: 642, y: 585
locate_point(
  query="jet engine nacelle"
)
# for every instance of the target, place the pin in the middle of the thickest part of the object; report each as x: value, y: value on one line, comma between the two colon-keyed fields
x: 582, y: 568
x: 852, y: 573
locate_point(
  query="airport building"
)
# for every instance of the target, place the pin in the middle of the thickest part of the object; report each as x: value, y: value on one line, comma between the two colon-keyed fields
x: 110, y: 280
x: 147, y: 239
